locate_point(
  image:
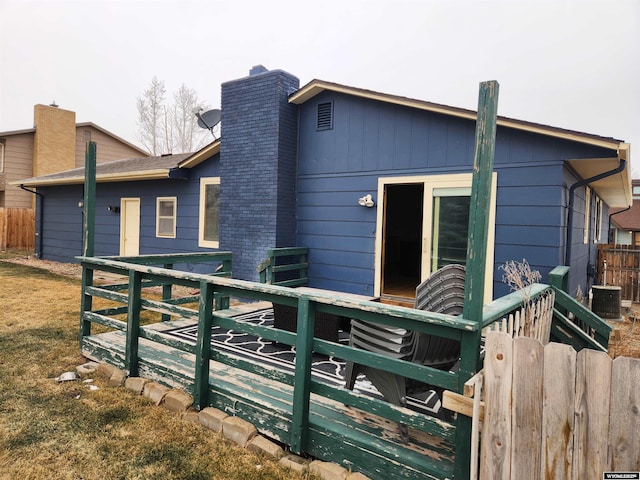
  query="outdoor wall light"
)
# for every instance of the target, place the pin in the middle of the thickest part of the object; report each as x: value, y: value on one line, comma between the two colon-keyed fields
x: 366, y: 201
x: 113, y: 209
x: 80, y: 204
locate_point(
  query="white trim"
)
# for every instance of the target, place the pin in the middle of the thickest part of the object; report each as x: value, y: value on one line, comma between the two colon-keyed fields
x: 2, y: 149
x: 202, y: 242
x: 597, y: 236
x: 174, y: 217
x: 431, y: 183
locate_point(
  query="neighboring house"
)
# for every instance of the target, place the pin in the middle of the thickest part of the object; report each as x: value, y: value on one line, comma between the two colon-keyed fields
x: 625, y: 223
x: 376, y: 186
x: 55, y: 143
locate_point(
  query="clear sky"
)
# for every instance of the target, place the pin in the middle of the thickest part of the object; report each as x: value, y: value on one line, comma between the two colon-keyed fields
x: 570, y: 64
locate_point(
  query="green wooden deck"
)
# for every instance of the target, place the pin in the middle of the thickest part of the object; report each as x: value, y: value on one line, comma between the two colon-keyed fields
x: 351, y: 437
x: 324, y: 421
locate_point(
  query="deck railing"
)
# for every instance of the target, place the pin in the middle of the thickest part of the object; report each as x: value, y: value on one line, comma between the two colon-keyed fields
x: 574, y: 324
x: 141, y: 273
x: 285, y: 266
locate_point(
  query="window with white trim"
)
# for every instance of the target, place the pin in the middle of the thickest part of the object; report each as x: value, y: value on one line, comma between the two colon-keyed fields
x: 587, y: 214
x: 597, y: 235
x: 1, y: 156
x: 209, y: 224
x: 166, y: 211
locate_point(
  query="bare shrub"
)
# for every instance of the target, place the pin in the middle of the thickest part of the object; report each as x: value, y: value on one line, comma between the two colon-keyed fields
x: 520, y: 278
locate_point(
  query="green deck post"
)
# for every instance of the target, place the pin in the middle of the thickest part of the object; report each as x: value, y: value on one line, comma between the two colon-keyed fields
x: 302, y: 387
x: 133, y: 323
x: 476, y: 256
x: 89, y: 221
x: 559, y: 278
x: 88, y: 228
x: 203, y: 346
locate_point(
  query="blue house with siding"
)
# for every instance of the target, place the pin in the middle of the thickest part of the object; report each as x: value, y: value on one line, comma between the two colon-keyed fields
x: 376, y: 186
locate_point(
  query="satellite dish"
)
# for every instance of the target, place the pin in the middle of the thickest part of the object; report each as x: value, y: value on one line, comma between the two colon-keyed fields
x: 208, y: 119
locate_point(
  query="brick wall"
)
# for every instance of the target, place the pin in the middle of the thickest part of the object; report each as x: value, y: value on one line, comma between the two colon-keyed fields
x: 257, y: 168
x: 54, y: 144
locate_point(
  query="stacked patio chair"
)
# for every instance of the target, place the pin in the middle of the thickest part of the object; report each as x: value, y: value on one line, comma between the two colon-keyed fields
x: 442, y: 292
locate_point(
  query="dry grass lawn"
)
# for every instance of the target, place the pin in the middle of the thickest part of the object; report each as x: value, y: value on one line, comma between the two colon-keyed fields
x: 67, y: 431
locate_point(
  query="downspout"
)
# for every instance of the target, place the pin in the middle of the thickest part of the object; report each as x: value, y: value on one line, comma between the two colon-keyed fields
x: 611, y: 215
x: 40, y: 219
x: 572, y: 190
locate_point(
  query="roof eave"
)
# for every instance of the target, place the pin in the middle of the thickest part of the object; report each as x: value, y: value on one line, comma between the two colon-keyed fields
x: 104, y: 178
x: 201, y: 155
x: 614, y: 190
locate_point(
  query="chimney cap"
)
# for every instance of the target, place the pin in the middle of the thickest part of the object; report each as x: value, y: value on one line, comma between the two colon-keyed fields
x: 54, y: 104
x: 257, y: 69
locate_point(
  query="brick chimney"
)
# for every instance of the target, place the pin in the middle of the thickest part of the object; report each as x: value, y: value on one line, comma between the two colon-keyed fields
x: 257, y: 167
x: 54, y: 144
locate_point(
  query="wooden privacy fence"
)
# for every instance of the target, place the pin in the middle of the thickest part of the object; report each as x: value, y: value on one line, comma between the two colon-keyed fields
x: 17, y: 228
x: 619, y: 265
x: 552, y: 412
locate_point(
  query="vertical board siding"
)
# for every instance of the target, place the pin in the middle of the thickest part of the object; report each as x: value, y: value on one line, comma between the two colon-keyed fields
x: 584, y: 404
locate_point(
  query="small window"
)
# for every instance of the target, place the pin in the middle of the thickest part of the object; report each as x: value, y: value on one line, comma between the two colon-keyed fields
x: 209, y: 228
x: 166, y: 217
x: 636, y: 191
x: 325, y: 116
x: 587, y: 214
x: 87, y: 135
x: 597, y: 235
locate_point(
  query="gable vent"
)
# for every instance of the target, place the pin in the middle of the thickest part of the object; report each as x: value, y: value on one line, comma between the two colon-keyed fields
x: 325, y: 116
